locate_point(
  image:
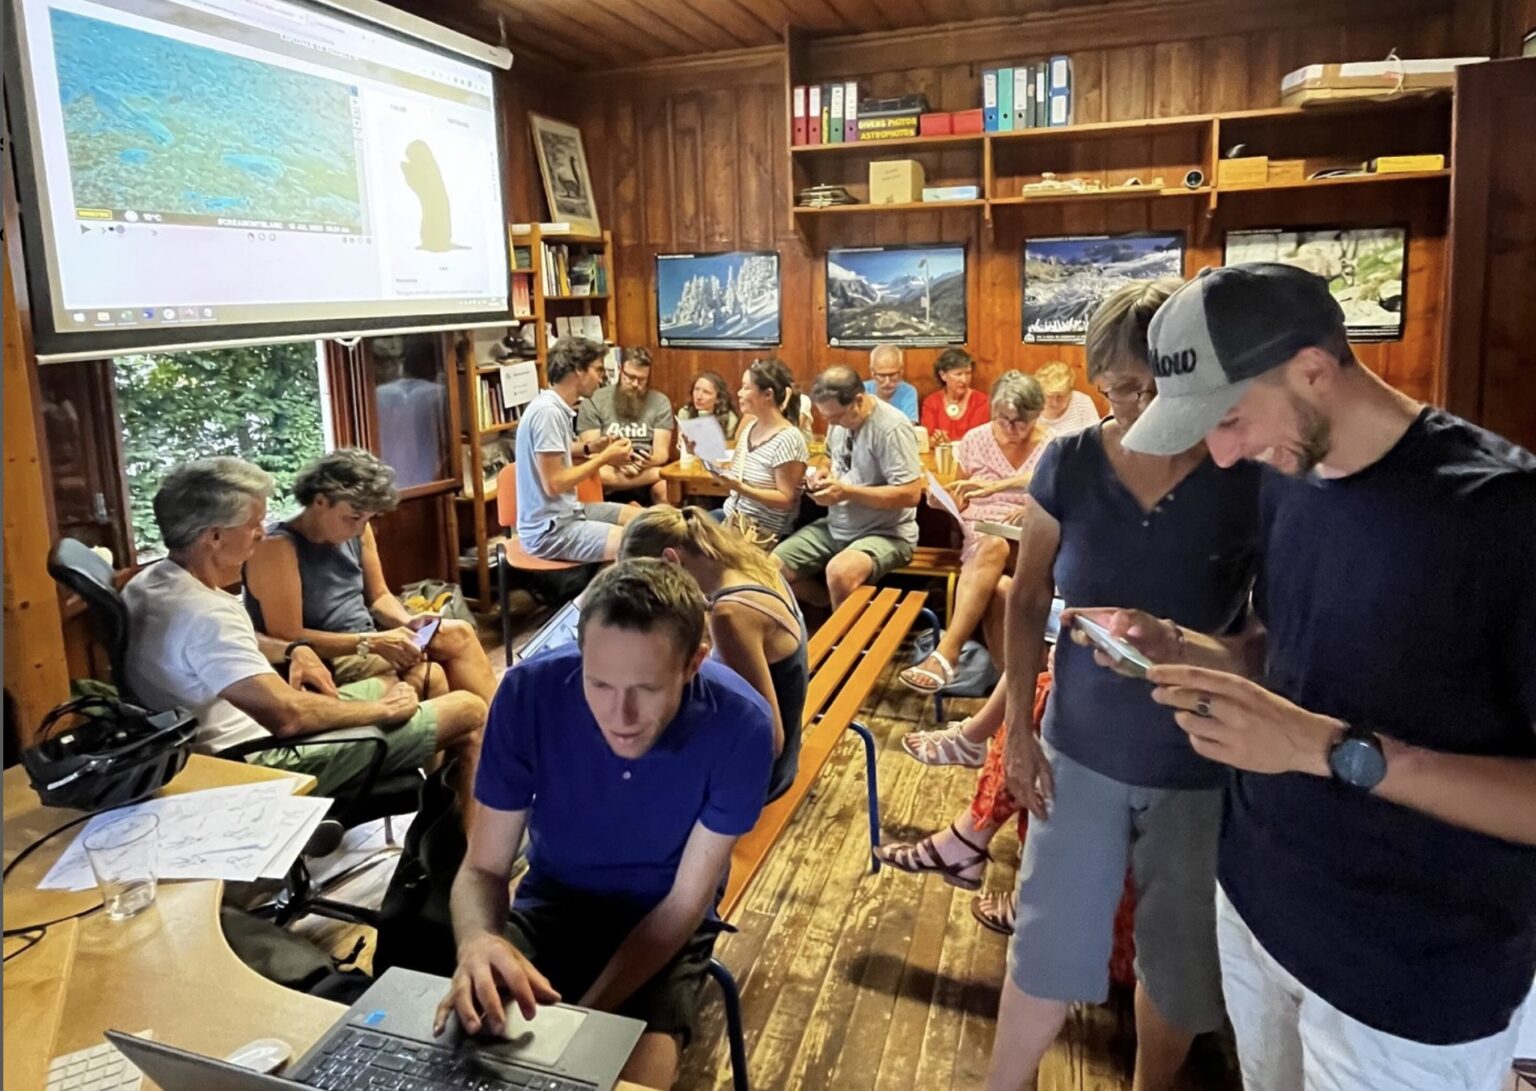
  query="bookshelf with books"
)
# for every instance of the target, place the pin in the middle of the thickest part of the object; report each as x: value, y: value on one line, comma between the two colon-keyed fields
x: 561, y: 283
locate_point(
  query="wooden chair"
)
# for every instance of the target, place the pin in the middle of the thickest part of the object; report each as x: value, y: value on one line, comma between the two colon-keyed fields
x: 511, y: 556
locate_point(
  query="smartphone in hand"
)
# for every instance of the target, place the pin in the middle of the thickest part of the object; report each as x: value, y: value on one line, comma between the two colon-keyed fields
x: 425, y: 634
x: 1126, y: 657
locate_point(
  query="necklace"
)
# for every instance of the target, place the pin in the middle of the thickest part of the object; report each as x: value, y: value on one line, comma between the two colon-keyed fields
x: 952, y: 408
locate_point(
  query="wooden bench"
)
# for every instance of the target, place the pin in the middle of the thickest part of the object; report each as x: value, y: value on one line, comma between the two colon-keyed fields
x: 935, y: 562
x: 846, y: 657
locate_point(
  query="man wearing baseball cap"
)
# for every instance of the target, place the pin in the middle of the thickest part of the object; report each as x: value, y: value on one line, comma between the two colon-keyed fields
x: 1377, y: 869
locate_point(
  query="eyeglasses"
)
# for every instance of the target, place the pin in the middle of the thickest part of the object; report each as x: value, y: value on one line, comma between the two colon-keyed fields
x: 1128, y: 395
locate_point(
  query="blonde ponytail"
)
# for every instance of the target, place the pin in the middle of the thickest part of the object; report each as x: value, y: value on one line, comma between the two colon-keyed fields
x: 692, y: 530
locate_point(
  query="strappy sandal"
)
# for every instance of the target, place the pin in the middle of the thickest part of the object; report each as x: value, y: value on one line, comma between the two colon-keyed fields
x: 925, y: 681
x: 946, y: 747
x: 998, y: 912
x: 923, y: 857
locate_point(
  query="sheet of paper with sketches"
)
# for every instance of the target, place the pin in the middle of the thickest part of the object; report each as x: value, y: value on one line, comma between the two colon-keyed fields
x: 240, y: 834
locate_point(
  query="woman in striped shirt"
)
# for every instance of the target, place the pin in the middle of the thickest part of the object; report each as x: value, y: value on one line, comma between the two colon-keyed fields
x: 768, y: 464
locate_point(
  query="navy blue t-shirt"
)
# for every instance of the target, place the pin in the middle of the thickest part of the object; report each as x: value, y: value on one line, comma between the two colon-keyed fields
x: 1401, y: 598
x: 1190, y: 559
x: 604, y: 825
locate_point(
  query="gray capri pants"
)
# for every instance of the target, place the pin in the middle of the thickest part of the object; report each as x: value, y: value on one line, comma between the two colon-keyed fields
x: 1072, y: 876
x: 581, y: 540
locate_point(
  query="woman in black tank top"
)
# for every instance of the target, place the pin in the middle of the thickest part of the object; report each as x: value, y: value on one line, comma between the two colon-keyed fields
x: 755, y: 624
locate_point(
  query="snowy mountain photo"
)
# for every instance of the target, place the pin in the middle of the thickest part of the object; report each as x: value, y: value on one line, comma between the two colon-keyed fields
x: 1066, y: 279
x: 718, y: 300
x: 907, y: 295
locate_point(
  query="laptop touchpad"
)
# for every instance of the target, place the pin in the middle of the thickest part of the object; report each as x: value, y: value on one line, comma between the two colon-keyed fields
x: 540, y: 1041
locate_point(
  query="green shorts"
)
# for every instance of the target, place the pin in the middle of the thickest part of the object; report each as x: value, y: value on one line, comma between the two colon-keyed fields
x: 336, y: 765
x: 808, y: 550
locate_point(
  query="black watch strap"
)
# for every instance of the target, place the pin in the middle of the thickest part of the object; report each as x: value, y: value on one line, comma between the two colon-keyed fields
x: 293, y: 647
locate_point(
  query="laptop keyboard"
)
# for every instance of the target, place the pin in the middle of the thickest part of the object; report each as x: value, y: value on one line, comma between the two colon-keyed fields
x: 356, y: 1060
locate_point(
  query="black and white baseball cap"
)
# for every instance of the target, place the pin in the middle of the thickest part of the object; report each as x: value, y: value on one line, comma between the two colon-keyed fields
x: 1219, y: 332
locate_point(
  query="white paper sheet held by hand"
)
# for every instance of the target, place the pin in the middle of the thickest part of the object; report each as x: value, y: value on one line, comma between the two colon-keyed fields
x: 941, y: 494
x: 706, y: 436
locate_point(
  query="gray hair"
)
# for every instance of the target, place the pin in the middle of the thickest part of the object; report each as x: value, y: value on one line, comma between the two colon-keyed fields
x: 348, y: 475
x: 208, y: 494
x: 879, y: 352
x: 838, y: 384
x: 1019, y: 392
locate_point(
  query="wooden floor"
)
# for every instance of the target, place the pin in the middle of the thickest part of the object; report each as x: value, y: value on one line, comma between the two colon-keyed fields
x: 859, y: 982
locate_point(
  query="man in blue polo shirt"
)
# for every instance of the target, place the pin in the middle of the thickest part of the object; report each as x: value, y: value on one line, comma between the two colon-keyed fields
x: 1377, y: 913
x: 634, y: 762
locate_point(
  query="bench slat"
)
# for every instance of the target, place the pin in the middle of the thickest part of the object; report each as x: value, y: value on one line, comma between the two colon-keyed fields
x: 820, y: 738
x: 845, y: 657
x: 824, y: 639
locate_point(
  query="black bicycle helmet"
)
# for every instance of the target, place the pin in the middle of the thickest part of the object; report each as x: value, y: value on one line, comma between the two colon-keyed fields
x: 116, y: 753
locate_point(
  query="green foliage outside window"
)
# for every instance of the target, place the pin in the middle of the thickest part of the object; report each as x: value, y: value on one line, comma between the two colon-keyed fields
x: 260, y: 403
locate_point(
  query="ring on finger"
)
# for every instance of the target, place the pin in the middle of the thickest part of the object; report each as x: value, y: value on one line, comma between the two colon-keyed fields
x: 1203, y: 706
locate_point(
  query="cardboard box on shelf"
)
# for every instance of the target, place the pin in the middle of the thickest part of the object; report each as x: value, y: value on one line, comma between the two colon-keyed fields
x: 1367, y: 79
x: 966, y: 121
x: 1406, y: 164
x: 1248, y: 170
x: 936, y: 124
x: 895, y: 182
x: 1286, y: 171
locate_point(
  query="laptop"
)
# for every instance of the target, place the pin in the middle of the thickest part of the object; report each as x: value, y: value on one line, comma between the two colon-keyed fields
x: 384, y: 1041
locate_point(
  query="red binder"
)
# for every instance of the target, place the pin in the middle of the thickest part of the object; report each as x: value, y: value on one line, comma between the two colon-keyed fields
x: 801, y: 130
x: 813, y: 121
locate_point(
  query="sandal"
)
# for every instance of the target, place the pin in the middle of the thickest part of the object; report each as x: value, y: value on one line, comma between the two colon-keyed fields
x: 946, y: 747
x: 996, y: 911
x: 926, y: 681
x: 923, y: 857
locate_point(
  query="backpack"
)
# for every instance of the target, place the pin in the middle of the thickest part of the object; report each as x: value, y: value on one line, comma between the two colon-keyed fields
x: 415, y: 928
x: 291, y: 960
x: 437, y: 597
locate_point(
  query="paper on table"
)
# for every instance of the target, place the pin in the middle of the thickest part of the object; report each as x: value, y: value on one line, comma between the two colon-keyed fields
x: 706, y: 436
x: 220, y: 833
x: 519, y: 383
x: 941, y: 494
x: 302, y: 814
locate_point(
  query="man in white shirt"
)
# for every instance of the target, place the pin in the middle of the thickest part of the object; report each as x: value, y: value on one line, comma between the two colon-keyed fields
x: 191, y: 645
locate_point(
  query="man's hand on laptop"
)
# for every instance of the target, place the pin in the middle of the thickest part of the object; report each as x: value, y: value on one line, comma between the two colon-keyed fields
x: 489, y: 967
x: 400, y: 703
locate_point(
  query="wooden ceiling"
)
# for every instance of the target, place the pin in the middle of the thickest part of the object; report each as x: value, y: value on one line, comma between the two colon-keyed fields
x: 598, y: 34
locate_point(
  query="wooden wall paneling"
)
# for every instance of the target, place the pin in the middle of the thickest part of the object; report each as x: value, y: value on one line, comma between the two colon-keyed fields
x: 720, y: 164
x: 1491, y: 326
x: 1127, y: 83
x: 1224, y: 64
x: 1176, y: 78
x: 687, y: 173
x: 656, y: 177
x: 36, y: 675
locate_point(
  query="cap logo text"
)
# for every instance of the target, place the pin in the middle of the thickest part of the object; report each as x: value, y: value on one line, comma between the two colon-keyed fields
x: 1174, y: 363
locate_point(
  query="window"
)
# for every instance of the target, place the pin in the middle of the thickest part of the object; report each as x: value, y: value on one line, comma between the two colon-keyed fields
x: 412, y: 393
x: 262, y: 403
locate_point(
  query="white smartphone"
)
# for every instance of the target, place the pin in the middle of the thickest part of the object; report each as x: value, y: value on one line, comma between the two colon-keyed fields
x: 425, y: 634
x: 1118, y: 650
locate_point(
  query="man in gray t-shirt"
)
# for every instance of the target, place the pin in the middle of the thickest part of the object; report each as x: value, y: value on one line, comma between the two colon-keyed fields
x: 632, y: 410
x: 870, y: 493
x: 552, y: 522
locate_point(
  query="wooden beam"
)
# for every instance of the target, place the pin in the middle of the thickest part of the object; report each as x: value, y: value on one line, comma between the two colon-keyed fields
x: 35, y: 672
x: 668, y: 77
x: 1127, y: 22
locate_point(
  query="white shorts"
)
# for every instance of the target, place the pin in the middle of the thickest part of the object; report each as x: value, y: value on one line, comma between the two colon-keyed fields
x: 1291, y: 1039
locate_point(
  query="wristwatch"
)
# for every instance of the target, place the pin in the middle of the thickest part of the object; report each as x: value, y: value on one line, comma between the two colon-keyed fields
x: 1356, y: 758
x: 364, y: 646
x: 293, y: 647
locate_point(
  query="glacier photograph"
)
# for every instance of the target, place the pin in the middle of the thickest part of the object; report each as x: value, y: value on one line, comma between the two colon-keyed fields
x: 902, y: 295
x: 1065, y: 279
x: 721, y: 301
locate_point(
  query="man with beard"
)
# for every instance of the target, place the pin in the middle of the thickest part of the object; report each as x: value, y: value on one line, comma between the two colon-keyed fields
x: 1377, y: 902
x: 632, y: 410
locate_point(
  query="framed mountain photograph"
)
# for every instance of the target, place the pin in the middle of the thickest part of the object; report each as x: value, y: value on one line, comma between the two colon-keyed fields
x: 896, y: 295
x: 718, y: 301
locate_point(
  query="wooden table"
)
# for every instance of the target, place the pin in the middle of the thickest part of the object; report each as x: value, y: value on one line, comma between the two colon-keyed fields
x: 685, y: 481
x: 168, y: 970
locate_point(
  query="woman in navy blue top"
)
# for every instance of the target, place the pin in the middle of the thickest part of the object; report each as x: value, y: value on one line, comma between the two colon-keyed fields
x: 1113, y: 781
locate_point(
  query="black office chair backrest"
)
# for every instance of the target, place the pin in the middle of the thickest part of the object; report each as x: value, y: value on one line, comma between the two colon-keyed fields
x: 77, y: 567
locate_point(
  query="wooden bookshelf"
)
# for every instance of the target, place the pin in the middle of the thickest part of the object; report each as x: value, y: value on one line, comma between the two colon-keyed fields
x: 1145, y: 148
x: 480, y: 532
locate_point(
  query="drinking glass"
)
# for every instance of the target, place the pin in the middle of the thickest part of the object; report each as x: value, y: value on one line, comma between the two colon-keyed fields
x: 124, y: 856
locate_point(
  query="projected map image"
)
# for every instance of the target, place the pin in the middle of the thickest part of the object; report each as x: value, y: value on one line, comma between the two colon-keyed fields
x: 157, y: 125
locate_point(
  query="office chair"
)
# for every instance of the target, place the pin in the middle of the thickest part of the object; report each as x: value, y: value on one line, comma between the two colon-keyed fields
x: 74, y: 565
x: 552, y: 582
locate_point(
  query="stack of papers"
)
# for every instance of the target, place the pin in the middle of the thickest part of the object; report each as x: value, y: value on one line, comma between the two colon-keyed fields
x: 241, y: 834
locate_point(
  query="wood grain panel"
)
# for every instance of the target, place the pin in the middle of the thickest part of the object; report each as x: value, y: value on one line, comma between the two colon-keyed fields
x: 1138, y: 68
